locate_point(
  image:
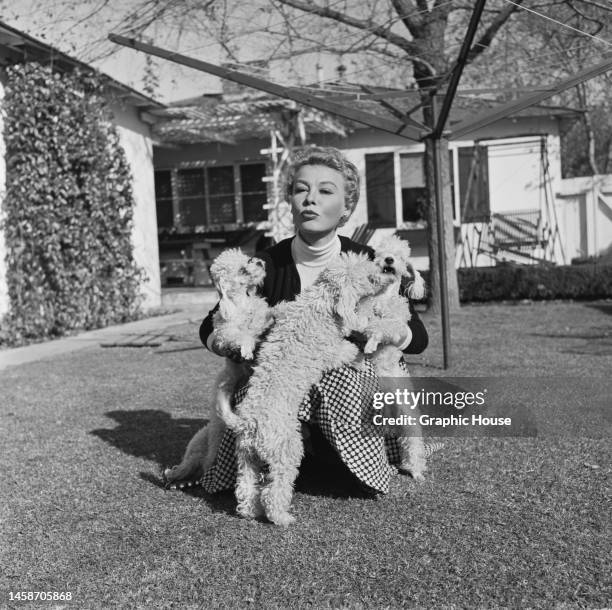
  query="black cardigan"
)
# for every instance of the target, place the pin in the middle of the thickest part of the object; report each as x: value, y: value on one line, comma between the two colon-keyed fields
x: 282, y: 283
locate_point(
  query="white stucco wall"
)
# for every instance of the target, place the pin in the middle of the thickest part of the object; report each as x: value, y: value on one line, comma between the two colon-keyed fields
x: 585, y: 205
x: 515, y: 172
x: 4, y: 297
x: 136, y: 142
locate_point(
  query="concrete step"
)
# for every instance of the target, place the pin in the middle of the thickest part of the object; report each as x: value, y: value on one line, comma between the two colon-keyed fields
x: 185, y: 296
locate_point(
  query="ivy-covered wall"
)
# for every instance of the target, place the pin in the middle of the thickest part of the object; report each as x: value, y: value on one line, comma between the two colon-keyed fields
x: 67, y: 210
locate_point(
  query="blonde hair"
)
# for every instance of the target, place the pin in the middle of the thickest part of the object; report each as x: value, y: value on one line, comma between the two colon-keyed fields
x: 329, y: 157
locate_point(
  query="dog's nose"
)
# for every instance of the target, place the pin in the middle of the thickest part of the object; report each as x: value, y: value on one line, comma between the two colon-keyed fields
x: 389, y: 260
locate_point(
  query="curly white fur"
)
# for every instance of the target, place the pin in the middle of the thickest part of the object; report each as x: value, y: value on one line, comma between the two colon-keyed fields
x: 241, y: 319
x: 307, y: 339
x: 387, y: 315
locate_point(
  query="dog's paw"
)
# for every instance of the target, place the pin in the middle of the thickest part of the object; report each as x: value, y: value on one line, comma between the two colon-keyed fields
x: 250, y: 509
x: 282, y: 519
x: 246, y: 353
x: 371, y: 345
x: 249, y: 512
x: 418, y: 474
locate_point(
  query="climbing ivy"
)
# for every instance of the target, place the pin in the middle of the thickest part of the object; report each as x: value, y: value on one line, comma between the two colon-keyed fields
x: 68, y: 208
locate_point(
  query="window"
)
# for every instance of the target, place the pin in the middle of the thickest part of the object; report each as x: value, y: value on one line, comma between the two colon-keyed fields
x: 414, y: 190
x: 380, y: 189
x: 253, y: 191
x: 163, y: 198
x: 205, y: 196
x: 474, y: 184
x: 191, y: 201
x: 221, y: 198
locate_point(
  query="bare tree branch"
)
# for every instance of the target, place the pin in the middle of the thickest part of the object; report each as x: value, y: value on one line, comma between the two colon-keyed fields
x: 605, y: 7
x: 376, y: 29
x: 485, y: 40
x: 405, y: 10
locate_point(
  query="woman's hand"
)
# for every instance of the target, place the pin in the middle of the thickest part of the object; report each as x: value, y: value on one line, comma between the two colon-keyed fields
x: 402, y: 339
x: 224, y: 351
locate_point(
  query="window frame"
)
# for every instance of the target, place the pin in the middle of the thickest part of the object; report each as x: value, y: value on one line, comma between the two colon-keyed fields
x: 397, y: 151
x: 237, y: 184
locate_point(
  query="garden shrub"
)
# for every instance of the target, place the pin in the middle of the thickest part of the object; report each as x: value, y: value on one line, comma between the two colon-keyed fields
x: 537, y: 282
x: 68, y: 208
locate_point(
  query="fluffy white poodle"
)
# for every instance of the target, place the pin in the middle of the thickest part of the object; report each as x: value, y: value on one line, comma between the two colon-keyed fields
x: 239, y: 322
x: 387, y: 314
x: 307, y: 339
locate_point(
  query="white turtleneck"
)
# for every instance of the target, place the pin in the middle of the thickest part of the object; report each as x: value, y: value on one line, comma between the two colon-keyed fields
x: 311, y: 260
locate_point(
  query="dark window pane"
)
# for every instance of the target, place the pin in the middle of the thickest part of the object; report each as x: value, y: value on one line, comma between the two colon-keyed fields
x: 414, y: 193
x: 380, y: 189
x: 221, y: 180
x: 252, y: 207
x: 250, y: 178
x: 414, y: 204
x: 222, y: 209
x: 163, y: 184
x: 254, y: 192
x: 164, y: 213
x: 474, y: 184
x: 192, y: 211
x: 190, y: 182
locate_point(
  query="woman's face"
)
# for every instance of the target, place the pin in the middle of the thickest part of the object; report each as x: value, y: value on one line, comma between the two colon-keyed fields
x: 318, y: 201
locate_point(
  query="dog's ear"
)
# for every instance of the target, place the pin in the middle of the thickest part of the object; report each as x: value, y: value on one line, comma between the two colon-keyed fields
x: 345, y: 307
x: 227, y: 307
x: 221, y: 286
x: 416, y: 287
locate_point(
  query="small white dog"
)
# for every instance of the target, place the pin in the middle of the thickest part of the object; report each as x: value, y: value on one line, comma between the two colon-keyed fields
x: 307, y: 339
x: 241, y: 319
x: 387, y: 314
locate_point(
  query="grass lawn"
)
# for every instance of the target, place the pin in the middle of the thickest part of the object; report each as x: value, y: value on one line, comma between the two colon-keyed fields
x: 498, y: 523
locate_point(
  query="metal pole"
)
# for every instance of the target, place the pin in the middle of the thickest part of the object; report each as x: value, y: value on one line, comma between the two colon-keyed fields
x: 437, y: 128
x: 458, y: 68
x: 347, y: 111
x: 439, y: 202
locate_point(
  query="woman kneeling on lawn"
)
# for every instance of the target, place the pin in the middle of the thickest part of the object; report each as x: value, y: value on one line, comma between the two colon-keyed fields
x: 323, y: 189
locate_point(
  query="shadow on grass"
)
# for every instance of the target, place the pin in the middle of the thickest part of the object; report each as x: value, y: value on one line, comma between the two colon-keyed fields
x: 150, y: 434
x: 319, y: 478
x: 597, y: 339
x: 156, y: 436
x: 603, y: 307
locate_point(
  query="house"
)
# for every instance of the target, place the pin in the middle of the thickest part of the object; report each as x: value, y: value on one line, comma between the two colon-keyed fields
x: 217, y: 157
x: 129, y: 108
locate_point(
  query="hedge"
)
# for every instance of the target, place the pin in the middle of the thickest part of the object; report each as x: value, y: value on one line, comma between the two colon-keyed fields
x: 68, y: 208
x: 508, y: 282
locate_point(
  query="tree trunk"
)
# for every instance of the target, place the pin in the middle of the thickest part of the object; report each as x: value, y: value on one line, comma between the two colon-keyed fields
x: 429, y: 36
x: 432, y: 222
x: 588, y: 128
